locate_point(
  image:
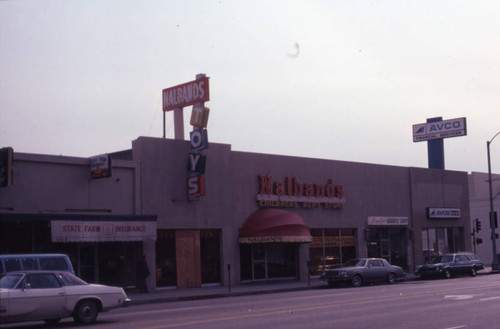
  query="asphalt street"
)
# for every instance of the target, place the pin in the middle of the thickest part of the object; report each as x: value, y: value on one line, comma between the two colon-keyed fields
x: 463, y: 302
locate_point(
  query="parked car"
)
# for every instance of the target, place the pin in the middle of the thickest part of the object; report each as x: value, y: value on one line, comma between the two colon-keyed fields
x: 364, y: 270
x: 53, y: 295
x: 30, y: 262
x: 448, y: 265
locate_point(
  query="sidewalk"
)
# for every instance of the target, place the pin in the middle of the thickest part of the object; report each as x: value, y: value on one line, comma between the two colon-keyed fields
x: 162, y: 295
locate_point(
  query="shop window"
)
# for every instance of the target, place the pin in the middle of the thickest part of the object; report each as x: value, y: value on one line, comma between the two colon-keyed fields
x: 166, y: 266
x: 210, y: 256
x: 348, y: 244
x: 117, y: 262
x: 281, y: 260
x: 330, y: 248
x: 438, y: 241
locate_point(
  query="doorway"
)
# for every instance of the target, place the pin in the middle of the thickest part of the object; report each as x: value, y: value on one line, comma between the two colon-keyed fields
x: 388, y: 243
x: 266, y: 261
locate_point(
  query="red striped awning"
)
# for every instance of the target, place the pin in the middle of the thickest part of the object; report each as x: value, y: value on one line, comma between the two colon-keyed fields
x: 274, y: 225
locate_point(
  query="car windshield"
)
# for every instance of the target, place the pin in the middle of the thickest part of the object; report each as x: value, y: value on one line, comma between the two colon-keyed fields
x: 9, y: 281
x: 442, y: 259
x: 355, y: 262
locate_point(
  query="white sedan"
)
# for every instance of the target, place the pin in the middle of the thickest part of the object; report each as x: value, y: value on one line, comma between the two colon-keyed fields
x: 53, y: 295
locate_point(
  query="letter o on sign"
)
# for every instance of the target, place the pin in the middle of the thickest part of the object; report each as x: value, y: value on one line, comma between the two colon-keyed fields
x: 196, y: 139
x: 199, y: 139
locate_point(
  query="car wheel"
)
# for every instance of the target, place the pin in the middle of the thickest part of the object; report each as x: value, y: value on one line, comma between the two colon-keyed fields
x: 473, y: 272
x: 356, y: 281
x: 52, y: 321
x: 391, y: 278
x: 447, y: 274
x: 85, y: 311
x: 331, y: 284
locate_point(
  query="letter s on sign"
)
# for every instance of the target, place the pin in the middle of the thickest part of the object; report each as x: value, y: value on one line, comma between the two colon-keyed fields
x: 192, y: 185
x: 196, y: 185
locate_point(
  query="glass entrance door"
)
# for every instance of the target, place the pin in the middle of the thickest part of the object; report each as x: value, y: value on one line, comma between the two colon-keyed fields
x: 259, y: 263
x: 267, y: 261
x: 388, y: 243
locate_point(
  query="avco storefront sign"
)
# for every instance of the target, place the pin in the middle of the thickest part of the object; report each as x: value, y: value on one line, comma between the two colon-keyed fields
x: 292, y: 193
x: 439, y: 129
x: 443, y: 213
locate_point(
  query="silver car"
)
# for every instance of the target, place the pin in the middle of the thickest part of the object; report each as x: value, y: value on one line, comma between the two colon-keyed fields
x: 363, y: 270
x: 53, y: 295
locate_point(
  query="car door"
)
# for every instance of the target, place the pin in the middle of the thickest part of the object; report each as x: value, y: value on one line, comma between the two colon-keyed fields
x: 39, y: 296
x: 375, y: 271
x: 462, y: 264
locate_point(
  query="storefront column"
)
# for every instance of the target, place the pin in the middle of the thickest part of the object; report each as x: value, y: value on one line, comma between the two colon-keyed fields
x: 303, y: 250
x: 148, y: 249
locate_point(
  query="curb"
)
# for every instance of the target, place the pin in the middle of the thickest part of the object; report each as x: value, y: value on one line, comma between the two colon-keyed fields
x: 227, y: 294
x: 219, y: 295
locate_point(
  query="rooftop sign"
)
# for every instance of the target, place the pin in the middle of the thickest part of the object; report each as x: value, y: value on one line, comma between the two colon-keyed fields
x: 186, y: 94
x: 439, y: 129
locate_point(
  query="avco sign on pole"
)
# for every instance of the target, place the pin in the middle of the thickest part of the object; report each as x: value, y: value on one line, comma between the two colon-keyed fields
x: 439, y: 129
x: 434, y: 131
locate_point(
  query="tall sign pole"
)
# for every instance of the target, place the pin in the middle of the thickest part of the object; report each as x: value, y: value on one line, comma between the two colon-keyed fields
x: 435, y: 149
x: 175, y: 98
x: 494, y: 265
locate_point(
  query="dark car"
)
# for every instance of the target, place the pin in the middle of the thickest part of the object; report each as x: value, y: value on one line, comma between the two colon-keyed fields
x: 363, y: 270
x: 448, y: 265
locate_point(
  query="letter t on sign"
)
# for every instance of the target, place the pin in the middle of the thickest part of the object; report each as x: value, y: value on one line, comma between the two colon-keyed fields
x: 199, y: 116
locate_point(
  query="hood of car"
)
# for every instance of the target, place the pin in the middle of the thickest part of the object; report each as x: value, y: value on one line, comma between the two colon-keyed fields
x: 347, y: 268
x: 433, y: 265
x: 96, y: 288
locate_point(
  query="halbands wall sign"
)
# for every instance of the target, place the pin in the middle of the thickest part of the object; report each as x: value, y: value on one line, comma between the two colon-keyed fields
x: 292, y: 193
x: 186, y: 94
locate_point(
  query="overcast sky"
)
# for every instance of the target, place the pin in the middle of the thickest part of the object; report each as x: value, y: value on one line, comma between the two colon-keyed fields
x: 342, y: 80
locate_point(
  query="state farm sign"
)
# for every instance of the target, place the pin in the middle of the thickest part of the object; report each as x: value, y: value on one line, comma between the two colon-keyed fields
x: 102, y: 231
x: 186, y: 94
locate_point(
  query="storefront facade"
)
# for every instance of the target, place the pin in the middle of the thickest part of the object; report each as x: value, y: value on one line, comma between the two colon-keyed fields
x: 260, y: 217
x: 350, y: 209
x: 55, y: 207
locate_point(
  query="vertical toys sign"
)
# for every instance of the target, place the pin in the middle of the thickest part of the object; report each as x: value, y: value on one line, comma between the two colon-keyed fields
x: 197, y: 161
x: 194, y: 93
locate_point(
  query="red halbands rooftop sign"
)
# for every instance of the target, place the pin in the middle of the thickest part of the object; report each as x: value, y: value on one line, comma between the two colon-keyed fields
x: 186, y: 94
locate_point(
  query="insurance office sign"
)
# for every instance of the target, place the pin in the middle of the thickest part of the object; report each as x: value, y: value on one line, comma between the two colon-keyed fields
x: 102, y: 231
x: 439, y: 129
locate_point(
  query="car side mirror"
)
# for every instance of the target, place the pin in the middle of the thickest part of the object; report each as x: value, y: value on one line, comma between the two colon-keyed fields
x: 26, y: 286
